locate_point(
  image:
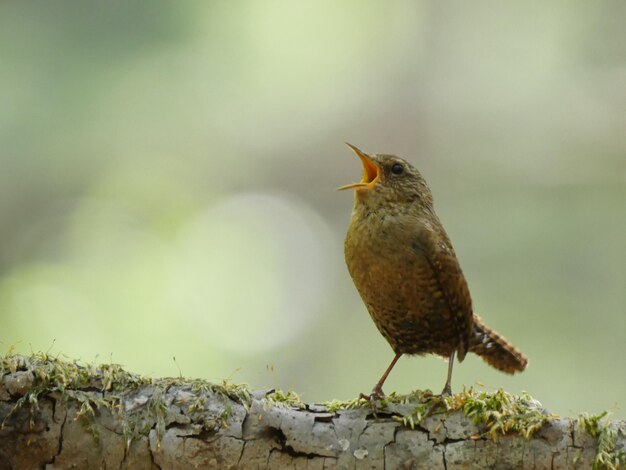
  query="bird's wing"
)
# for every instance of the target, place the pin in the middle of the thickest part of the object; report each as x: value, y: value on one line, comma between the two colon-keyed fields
x: 440, y: 256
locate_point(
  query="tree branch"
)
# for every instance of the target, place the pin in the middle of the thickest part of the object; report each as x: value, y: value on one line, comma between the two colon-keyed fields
x: 85, y: 416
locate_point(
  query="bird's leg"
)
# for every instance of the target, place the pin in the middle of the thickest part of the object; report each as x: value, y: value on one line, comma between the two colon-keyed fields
x: 377, y: 391
x: 446, y: 392
x: 447, y: 388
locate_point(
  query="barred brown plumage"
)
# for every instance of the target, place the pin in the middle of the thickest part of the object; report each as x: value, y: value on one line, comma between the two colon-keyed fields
x: 407, y: 273
x: 495, y: 350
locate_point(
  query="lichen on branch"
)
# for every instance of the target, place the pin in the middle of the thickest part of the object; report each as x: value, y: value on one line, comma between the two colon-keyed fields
x: 72, y: 415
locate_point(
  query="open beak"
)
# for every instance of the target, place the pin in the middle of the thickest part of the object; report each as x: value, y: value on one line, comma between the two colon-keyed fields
x: 370, y: 171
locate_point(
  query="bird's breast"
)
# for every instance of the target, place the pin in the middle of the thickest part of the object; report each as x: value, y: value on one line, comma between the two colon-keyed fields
x: 387, y: 270
x: 396, y: 282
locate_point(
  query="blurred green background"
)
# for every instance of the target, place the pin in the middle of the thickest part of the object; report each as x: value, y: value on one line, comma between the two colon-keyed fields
x: 167, y: 176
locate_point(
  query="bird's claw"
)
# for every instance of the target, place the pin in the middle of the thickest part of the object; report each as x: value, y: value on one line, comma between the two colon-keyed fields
x: 437, y: 400
x: 373, y: 398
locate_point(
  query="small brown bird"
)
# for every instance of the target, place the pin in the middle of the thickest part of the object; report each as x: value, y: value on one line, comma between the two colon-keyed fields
x: 404, y: 267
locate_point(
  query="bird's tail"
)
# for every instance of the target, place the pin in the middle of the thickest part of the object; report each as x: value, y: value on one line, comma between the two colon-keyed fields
x: 495, y: 350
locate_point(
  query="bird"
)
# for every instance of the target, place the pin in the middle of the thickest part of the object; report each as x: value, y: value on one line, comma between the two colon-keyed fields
x: 407, y: 273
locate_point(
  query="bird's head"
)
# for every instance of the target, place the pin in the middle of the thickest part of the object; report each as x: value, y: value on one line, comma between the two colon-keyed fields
x: 388, y: 179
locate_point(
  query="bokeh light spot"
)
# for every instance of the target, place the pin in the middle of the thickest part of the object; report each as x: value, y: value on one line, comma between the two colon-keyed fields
x: 251, y: 272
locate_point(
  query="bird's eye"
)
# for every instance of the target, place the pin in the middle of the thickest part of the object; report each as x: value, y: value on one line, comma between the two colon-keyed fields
x: 397, y: 169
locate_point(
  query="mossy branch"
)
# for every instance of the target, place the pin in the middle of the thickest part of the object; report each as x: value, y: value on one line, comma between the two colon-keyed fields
x: 86, y: 416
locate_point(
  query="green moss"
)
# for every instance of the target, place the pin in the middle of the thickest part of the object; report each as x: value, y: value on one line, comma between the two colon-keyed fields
x: 605, y: 432
x: 393, y: 398
x: 67, y: 379
x: 288, y: 399
x: 334, y: 406
x: 140, y: 402
x: 498, y: 413
x: 591, y: 424
x: 236, y: 392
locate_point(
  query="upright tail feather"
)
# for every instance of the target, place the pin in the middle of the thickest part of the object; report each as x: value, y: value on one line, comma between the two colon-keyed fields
x: 495, y: 350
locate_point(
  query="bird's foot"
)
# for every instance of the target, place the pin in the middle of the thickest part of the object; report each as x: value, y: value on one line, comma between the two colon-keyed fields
x: 377, y: 394
x: 435, y: 404
x: 374, y: 398
x: 447, y: 391
x: 438, y: 400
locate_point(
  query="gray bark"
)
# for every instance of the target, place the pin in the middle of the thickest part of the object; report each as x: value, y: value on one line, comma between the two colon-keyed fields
x: 99, y: 423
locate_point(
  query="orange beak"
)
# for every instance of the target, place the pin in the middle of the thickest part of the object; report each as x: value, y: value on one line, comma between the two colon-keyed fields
x: 370, y: 171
